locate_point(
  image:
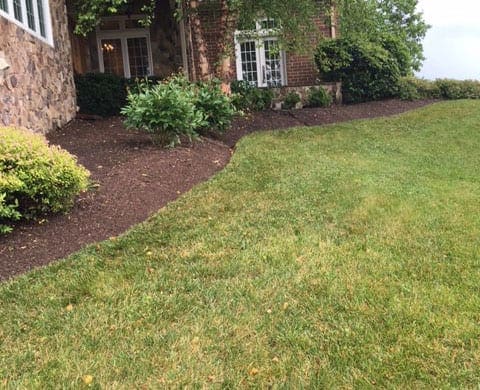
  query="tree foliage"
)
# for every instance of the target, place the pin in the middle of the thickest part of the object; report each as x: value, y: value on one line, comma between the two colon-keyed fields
x: 386, y: 20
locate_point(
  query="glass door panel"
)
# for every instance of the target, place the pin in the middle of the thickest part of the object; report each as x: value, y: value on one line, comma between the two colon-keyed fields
x: 112, y: 56
x: 138, y: 57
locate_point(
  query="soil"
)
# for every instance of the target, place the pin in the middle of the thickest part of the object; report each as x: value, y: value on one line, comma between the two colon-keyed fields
x: 135, y: 179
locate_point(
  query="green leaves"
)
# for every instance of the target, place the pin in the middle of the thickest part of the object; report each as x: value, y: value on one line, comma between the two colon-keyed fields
x: 35, y: 178
x: 176, y: 108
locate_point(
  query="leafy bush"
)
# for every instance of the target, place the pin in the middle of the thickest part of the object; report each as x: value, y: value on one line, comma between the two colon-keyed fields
x: 216, y: 107
x: 250, y: 98
x: 290, y: 100
x: 35, y: 178
x: 100, y: 93
x: 458, y: 89
x: 412, y: 88
x: 367, y: 70
x: 319, y: 97
x: 167, y: 111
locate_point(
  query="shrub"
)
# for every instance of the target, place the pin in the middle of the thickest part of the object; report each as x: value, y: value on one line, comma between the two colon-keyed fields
x: 319, y: 97
x: 367, y: 70
x: 216, y: 107
x: 290, y: 100
x: 250, y: 98
x: 35, y: 178
x: 100, y: 93
x: 412, y: 88
x: 458, y: 89
x: 167, y: 111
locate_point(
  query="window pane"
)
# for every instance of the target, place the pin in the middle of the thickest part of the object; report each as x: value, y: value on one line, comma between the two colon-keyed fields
x: 30, y: 14
x: 112, y: 56
x: 248, y: 53
x: 273, y: 71
x: 41, y: 18
x: 138, y: 57
x: 17, y: 10
x: 268, y: 24
x: 4, y: 5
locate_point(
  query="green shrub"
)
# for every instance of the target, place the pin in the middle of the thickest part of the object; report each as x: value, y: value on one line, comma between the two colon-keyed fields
x: 319, y: 97
x: 216, y: 107
x: 412, y: 88
x: 366, y: 69
x: 458, y: 89
x: 290, y: 100
x: 35, y: 178
x: 167, y: 111
x: 247, y: 97
x: 100, y: 93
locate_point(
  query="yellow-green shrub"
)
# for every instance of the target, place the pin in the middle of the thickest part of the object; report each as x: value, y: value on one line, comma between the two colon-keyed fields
x: 35, y: 178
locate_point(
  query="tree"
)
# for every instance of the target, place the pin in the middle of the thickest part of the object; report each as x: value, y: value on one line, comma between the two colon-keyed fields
x: 384, y: 21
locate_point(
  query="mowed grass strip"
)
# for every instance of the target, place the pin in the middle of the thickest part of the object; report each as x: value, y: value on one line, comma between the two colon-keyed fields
x: 337, y: 257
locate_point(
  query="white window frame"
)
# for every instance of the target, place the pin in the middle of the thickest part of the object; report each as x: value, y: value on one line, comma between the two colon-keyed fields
x: 10, y: 16
x: 259, y: 36
x: 123, y: 34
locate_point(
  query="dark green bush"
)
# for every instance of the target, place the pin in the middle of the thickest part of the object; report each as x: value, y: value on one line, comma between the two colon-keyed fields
x: 366, y: 69
x: 216, y: 107
x: 247, y: 97
x: 290, y: 100
x: 319, y: 97
x: 35, y: 178
x: 100, y: 93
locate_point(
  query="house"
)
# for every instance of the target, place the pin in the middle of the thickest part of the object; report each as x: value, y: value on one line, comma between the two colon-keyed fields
x: 121, y: 45
x: 37, y: 90
x: 41, y: 54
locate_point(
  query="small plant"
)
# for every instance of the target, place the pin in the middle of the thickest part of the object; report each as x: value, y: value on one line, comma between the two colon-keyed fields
x: 291, y: 100
x: 34, y: 178
x: 319, y: 97
x: 166, y: 111
x: 216, y: 107
x: 247, y: 97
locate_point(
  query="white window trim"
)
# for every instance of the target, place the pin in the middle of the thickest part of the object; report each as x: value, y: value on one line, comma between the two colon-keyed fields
x: 258, y: 36
x: 10, y: 16
x: 123, y: 34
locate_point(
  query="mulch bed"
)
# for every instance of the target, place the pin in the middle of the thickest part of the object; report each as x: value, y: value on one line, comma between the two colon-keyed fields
x: 136, y: 179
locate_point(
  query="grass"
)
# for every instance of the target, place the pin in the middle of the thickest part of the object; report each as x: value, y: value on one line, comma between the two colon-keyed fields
x: 340, y: 256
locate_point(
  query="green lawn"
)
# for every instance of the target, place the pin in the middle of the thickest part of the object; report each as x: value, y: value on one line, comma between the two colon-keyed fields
x: 339, y: 256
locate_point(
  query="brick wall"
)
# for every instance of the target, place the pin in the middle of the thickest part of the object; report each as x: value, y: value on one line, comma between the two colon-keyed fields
x: 300, y: 69
x: 37, y: 91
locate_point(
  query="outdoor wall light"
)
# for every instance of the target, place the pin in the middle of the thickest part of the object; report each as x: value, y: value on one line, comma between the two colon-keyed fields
x: 4, y: 65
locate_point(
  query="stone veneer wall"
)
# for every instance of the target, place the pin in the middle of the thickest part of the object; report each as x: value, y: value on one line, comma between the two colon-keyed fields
x: 37, y: 91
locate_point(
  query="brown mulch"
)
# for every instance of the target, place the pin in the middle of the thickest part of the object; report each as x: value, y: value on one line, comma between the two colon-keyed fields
x: 136, y: 179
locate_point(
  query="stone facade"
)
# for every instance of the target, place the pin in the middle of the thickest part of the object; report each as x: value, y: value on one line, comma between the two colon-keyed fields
x: 37, y: 90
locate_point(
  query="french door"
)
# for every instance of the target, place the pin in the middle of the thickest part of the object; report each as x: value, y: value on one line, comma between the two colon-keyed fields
x: 260, y: 62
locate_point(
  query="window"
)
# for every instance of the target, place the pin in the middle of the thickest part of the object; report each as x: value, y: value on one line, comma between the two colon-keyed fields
x: 124, y: 47
x: 31, y: 15
x: 259, y: 58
